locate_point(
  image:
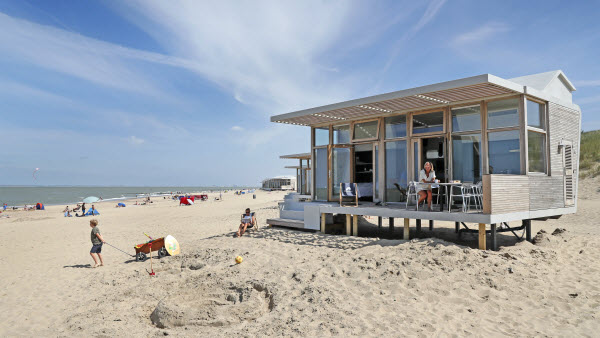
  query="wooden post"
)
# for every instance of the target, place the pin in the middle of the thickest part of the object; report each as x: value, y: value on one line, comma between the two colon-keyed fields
x: 348, y: 225
x: 355, y: 226
x: 391, y: 223
x: 527, y: 224
x: 380, y: 221
x: 493, y: 237
x: 406, y: 229
x: 456, y: 226
x: 418, y: 226
x: 430, y: 225
x: 323, y: 218
x: 482, y: 236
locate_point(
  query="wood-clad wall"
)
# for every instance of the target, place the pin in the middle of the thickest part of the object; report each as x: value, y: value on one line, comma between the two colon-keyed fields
x: 546, y: 192
x: 505, y: 193
x: 563, y: 124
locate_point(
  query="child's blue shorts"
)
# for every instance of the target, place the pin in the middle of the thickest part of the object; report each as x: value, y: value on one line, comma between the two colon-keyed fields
x: 96, y: 248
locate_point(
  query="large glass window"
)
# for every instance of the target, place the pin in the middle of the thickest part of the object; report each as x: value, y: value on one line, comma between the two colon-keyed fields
x: 466, y: 157
x: 340, y: 167
x: 428, y: 123
x: 503, y: 113
x: 535, y: 114
x: 536, y: 151
x: 466, y: 118
x: 320, y: 170
x: 504, y: 152
x: 395, y: 170
x: 321, y: 136
x: 395, y: 126
x: 366, y: 130
x: 341, y: 134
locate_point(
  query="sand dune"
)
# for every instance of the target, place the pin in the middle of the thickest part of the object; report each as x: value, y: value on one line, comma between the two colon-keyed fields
x: 294, y: 282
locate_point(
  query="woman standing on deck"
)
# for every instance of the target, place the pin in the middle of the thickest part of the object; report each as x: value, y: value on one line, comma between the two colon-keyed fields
x: 426, y: 175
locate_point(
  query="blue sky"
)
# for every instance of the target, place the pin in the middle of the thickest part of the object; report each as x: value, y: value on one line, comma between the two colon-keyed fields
x: 180, y: 92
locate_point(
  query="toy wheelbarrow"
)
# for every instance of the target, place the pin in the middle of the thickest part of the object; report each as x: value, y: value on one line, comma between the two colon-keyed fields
x: 164, y: 245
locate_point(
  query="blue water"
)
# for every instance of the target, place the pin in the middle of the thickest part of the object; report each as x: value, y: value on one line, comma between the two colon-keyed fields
x: 18, y: 196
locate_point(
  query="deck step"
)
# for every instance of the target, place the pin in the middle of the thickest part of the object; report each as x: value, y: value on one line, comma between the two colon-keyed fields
x: 286, y: 222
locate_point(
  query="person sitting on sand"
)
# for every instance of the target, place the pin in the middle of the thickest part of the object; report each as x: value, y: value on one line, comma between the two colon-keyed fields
x: 97, y: 242
x: 66, y: 209
x: 248, y: 222
x: 77, y: 208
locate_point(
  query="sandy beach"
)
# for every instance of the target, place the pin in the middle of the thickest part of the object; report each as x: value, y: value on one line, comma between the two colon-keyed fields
x: 294, y: 283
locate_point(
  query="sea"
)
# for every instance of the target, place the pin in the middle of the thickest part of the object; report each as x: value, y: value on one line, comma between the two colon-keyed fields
x: 69, y: 195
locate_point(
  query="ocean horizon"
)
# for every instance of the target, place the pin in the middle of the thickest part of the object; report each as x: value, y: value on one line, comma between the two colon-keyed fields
x: 20, y: 195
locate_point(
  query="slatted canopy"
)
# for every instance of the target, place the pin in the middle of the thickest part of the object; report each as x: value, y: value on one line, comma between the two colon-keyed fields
x: 419, y: 98
x: 302, y: 156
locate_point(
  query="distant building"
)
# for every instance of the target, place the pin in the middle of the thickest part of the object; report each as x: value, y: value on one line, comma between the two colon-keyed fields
x: 279, y: 183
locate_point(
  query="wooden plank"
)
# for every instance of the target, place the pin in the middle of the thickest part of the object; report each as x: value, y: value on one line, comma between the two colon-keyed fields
x: 348, y: 225
x: 482, y: 236
x: 355, y: 226
x: 323, y: 219
x: 406, y: 229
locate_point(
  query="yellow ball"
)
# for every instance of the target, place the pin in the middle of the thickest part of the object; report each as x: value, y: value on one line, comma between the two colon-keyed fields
x: 239, y: 259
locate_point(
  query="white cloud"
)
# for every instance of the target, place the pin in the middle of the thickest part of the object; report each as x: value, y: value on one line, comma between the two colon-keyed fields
x: 136, y: 140
x: 482, y: 33
x: 237, y: 128
x: 430, y: 12
x: 268, y: 54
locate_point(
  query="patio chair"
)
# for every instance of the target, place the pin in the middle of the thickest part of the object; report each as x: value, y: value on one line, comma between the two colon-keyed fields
x: 349, y: 190
x: 252, y: 226
x: 463, y: 193
x: 412, y: 191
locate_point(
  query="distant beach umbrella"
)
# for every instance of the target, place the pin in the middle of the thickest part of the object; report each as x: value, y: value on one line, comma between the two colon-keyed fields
x: 91, y: 199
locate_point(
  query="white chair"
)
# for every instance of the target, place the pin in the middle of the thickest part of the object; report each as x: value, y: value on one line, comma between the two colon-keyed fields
x: 411, y: 191
x: 463, y: 193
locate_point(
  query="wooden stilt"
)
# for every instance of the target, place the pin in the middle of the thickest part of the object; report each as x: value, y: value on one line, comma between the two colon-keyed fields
x: 323, y: 218
x: 348, y: 225
x: 406, y: 229
x: 456, y: 226
x: 380, y: 221
x: 391, y: 223
x: 493, y: 242
x: 355, y: 226
x: 527, y: 224
x: 482, y: 236
x: 430, y: 225
x: 418, y: 226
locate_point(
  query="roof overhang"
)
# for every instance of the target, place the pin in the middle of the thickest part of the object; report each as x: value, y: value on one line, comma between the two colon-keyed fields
x: 419, y: 98
x: 302, y: 156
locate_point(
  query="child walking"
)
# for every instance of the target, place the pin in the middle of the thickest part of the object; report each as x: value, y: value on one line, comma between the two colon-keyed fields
x: 97, y: 242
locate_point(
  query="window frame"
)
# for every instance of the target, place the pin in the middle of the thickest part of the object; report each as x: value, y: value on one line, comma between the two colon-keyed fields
x: 354, y: 123
x: 407, y: 119
x: 442, y: 110
x: 485, y: 132
x: 543, y: 131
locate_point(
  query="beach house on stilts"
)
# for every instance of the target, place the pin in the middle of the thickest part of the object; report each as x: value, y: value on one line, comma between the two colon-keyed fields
x: 504, y: 150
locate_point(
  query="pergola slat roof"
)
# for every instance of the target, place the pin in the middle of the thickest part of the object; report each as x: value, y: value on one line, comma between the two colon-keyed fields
x: 301, y: 156
x: 420, y: 98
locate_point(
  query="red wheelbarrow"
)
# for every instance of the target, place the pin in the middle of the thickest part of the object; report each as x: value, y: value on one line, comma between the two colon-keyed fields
x: 164, y: 245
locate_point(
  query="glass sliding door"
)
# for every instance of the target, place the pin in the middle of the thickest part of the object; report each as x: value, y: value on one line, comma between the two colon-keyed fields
x: 320, y: 174
x: 396, y: 171
x: 340, y: 169
x: 466, y: 157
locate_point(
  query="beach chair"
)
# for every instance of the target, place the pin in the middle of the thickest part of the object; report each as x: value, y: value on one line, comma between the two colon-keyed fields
x: 349, y: 190
x: 253, y: 227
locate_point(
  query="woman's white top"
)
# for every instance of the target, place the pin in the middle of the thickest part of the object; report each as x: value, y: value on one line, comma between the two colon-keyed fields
x: 423, y: 176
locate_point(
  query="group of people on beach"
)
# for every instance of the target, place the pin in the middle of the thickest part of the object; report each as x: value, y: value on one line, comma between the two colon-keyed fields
x: 80, y: 206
